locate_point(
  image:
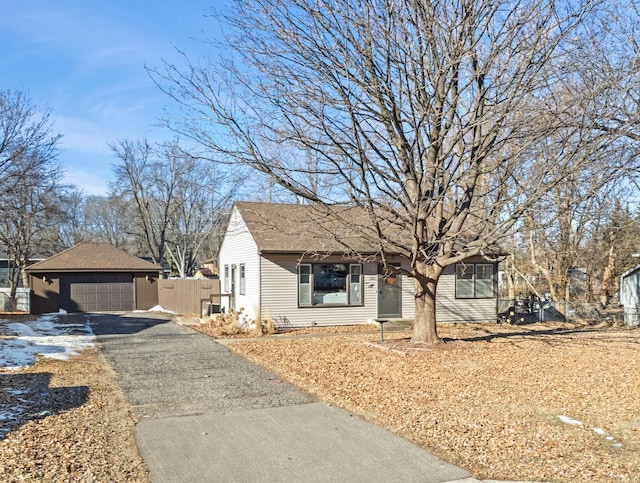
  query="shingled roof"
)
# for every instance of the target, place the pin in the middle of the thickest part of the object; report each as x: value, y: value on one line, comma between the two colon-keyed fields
x: 94, y: 257
x: 294, y: 228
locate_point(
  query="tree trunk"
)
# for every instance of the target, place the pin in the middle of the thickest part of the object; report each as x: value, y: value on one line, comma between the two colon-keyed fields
x: 607, y: 276
x: 424, y: 326
x: 13, y: 296
x: 590, y: 295
x: 509, y: 272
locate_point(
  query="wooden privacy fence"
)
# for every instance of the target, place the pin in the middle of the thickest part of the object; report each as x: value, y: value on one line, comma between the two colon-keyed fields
x: 190, y: 296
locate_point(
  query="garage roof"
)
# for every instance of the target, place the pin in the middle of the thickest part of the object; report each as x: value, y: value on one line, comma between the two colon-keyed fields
x: 94, y: 257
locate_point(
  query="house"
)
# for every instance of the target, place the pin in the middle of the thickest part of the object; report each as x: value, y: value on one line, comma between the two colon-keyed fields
x: 93, y: 277
x: 630, y: 295
x: 7, y: 268
x: 204, y: 272
x: 8, y: 265
x: 285, y: 262
x: 208, y: 269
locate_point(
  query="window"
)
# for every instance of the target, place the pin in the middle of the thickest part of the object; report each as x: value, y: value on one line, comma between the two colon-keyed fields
x: 355, y: 284
x: 484, y: 281
x: 474, y: 281
x: 304, y: 285
x: 329, y: 284
x: 242, y: 280
x: 226, y: 278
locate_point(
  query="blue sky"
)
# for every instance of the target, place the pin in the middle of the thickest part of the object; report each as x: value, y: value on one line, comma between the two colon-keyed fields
x: 86, y: 61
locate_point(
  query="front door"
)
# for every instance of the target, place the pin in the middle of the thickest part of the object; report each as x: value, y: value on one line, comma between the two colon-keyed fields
x: 389, y: 295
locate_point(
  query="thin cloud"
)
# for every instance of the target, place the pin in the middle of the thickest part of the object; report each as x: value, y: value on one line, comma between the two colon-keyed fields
x: 82, y: 135
x: 92, y: 178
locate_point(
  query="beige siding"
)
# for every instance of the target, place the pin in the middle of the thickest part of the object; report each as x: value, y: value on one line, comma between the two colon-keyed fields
x: 370, y: 290
x: 280, y: 296
x: 238, y: 247
x: 450, y: 309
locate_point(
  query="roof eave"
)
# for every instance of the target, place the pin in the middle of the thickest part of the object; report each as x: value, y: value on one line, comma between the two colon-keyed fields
x: 93, y: 270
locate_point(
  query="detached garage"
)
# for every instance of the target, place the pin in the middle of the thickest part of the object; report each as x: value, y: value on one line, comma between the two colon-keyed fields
x: 93, y: 277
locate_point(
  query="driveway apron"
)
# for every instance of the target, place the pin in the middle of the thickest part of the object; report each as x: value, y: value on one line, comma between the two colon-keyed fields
x: 208, y: 415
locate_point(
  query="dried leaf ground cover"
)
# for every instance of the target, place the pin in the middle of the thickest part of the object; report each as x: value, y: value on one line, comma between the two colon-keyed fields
x: 75, y: 424
x: 544, y: 402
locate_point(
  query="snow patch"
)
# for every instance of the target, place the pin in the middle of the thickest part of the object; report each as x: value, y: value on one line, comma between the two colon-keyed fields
x: 20, y: 346
x: 568, y: 420
x: 157, y: 308
x: 600, y: 431
x: 45, y: 337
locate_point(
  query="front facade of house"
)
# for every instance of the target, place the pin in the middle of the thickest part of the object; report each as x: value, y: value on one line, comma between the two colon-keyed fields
x: 269, y: 272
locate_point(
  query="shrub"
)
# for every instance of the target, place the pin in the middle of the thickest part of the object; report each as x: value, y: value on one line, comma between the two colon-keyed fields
x: 225, y: 325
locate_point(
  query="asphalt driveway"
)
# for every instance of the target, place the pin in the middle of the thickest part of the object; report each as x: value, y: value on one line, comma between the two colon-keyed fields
x: 211, y: 416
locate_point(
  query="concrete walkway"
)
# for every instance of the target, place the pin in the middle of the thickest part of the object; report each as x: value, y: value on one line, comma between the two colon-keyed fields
x: 208, y: 415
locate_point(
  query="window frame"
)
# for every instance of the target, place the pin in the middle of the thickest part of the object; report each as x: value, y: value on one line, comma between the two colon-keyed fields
x: 227, y: 286
x: 353, y: 290
x: 478, y: 285
x: 242, y: 282
x: 308, y: 292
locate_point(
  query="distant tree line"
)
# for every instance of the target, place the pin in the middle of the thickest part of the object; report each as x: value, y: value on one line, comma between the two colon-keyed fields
x: 164, y: 204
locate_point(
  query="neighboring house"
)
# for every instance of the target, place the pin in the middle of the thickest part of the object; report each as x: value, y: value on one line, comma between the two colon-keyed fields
x: 93, y: 277
x: 282, y: 261
x: 4, y: 270
x: 6, y: 265
x: 212, y: 265
x: 203, y: 272
x: 22, y: 293
x: 630, y: 295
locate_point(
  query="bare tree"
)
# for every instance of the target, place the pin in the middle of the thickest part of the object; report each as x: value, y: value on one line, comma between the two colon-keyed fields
x: 561, y: 222
x: 177, y: 200
x: 143, y: 180
x: 608, y: 252
x: 109, y: 220
x: 429, y: 116
x: 27, y: 211
x: 605, y: 116
x: 29, y: 178
x: 610, y: 98
x: 201, y: 205
x: 73, y: 227
x: 26, y: 137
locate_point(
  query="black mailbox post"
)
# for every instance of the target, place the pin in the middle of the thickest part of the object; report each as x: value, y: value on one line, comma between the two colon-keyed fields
x: 381, y: 322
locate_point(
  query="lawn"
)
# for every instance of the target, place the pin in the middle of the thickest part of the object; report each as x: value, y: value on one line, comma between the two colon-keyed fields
x: 544, y: 402
x: 540, y: 402
x: 63, y: 417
